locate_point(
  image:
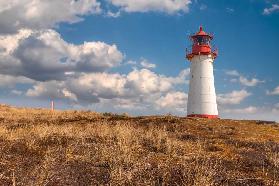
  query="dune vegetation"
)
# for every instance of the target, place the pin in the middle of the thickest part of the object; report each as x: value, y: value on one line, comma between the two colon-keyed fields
x: 41, y: 147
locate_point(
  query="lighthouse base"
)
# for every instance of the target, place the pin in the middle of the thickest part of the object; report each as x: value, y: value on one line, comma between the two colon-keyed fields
x: 203, y: 116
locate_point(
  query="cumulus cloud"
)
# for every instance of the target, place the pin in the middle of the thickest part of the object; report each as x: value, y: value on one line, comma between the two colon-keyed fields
x: 139, y: 86
x: 51, y: 89
x: 80, y: 74
x: 250, y: 83
x: 7, y: 81
x: 168, y: 6
x: 232, y: 98
x: 8, y: 43
x: 41, y: 14
x: 34, y: 55
x: 113, y: 14
x: 274, y: 8
x: 273, y: 92
x: 44, y: 55
x: 175, y: 100
x: 243, y: 80
x: 145, y: 64
x: 146, y: 81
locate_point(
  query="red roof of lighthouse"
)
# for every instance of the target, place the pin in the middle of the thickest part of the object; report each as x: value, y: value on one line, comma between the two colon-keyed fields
x: 201, y: 33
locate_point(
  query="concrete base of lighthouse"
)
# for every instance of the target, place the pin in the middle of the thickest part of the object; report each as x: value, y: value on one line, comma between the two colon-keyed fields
x: 202, y: 96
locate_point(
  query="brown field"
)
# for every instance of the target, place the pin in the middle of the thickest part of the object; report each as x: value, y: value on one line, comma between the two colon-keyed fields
x: 40, y: 147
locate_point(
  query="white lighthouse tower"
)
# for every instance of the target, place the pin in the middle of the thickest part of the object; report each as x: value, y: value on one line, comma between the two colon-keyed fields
x: 202, y: 96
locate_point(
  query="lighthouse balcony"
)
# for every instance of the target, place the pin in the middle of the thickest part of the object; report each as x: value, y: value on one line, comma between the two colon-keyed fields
x: 201, y: 49
x: 191, y: 54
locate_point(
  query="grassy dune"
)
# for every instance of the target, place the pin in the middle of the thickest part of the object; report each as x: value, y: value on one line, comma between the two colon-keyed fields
x: 40, y: 147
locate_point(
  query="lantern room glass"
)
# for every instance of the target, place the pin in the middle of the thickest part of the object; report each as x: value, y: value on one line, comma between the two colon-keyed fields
x: 202, y: 40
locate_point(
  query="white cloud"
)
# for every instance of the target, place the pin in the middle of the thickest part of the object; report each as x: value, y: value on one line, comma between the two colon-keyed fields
x: 168, y: 6
x: 113, y: 14
x: 137, y: 87
x: 232, y: 73
x: 273, y: 92
x: 175, y: 100
x: 145, y: 64
x: 79, y: 74
x: 50, y: 89
x: 251, y: 83
x: 44, y: 55
x: 270, y: 10
x: 41, y: 14
x: 91, y: 87
x: 131, y: 62
x: 7, y: 81
x: 146, y: 81
x: 182, y: 76
x: 68, y: 94
x: 243, y: 80
x: 232, y: 98
x: 8, y: 43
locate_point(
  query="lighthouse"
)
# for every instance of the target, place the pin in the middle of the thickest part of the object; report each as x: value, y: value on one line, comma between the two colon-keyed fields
x: 202, y: 97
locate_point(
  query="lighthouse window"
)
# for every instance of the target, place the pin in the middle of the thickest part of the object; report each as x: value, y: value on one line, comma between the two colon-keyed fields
x: 201, y: 40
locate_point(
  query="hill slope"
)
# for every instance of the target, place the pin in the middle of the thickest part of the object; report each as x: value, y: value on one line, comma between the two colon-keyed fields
x: 40, y: 147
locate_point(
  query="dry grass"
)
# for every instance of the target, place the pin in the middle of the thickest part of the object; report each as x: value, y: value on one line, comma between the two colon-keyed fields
x: 40, y: 147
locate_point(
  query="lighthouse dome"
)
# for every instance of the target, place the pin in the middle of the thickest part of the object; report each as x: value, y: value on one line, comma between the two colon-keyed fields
x: 201, y: 33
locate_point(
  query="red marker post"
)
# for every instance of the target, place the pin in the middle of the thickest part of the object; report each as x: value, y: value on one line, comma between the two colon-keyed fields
x: 52, y: 105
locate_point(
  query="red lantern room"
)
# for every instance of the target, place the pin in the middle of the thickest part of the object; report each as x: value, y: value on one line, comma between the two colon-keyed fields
x: 201, y: 45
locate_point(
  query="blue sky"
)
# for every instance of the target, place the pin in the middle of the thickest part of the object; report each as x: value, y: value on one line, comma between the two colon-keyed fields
x: 129, y: 56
